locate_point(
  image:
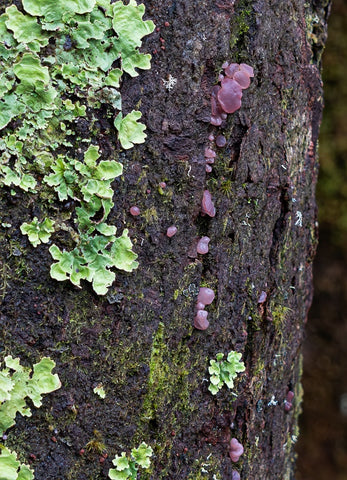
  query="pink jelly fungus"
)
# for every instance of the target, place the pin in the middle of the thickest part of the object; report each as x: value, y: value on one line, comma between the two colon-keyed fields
x: 290, y: 396
x: 247, y: 69
x: 229, y: 96
x: 171, y: 231
x: 262, y: 297
x: 216, y: 121
x: 235, y: 450
x: 205, y: 295
x: 207, y: 205
x: 242, y: 79
x: 208, y: 168
x: 199, y: 306
x: 221, y: 141
x: 200, y: 320
x: 235, y: 475
x: 231, y: 69
x: 134, y: 211
x: 209, y: 153
x: 202, y: 246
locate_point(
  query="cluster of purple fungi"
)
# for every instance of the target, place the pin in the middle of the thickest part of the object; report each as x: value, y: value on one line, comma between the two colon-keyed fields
x: 225, y: 98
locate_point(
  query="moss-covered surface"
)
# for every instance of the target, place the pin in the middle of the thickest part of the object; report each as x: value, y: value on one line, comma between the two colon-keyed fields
x: 139, y: 341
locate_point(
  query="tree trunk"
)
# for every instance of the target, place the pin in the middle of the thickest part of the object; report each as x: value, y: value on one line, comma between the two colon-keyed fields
x: 139, y: 341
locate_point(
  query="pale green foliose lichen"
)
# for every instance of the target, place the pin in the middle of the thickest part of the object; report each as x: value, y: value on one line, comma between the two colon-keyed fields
x: 11, y: 468
x: 17, y: 383
x: 127, y: 468
x: 61, y: 58
x: 224, y: 371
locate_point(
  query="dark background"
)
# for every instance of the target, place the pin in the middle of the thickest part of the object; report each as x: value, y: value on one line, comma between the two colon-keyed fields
x: 322, y: 447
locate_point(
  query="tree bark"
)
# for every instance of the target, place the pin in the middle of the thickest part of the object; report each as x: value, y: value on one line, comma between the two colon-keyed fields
x: 143, y: 347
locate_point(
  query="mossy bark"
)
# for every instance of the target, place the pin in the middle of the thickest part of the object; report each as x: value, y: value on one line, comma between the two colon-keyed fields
x: 143, y: 348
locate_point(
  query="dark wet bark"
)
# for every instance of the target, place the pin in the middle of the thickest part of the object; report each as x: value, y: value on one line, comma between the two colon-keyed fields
x: 143, y: 348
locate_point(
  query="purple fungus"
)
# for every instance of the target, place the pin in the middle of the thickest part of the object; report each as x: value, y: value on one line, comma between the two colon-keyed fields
x: 242, y: 79
x: 221, y: 141
x: 134, y: 211
x: 290, y: 396
x: 205, y: 295
x: 235, y: 475
x: 247, y: 69
x: 231, y: 69
x: 288, y: 405
x: 202, y: 246
x: 225, y: 65
x: 209, y: 153
x: 216, y: 121
x: 171, y: 231
x: 208, y: 168
x: 199, y: 306
x: 235, y: 450
x: 162, y: 184
x: 262, y: 297
x: 229, y: 96
x: 207, y: 205
x: 216, y: 109
x: 211, y: 137
x: 200, y: 320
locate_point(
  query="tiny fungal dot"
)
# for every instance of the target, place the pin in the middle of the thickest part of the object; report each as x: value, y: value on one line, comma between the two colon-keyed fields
x: 134, y: 211
x: 171, y: 231
x: 221, y: 141
x: 262, y: 297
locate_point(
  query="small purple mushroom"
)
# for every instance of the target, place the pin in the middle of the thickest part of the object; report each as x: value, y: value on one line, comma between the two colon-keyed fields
x: 235, y: 475
x: 229, y: 96
x: 221, y: 141
x: 199, y: 306
x: 288, y: 405
x: 171, y: 231
x: 262, y: 297
x: 202, y: 246
x: 200, y: 320
x: 135, y: 211
x: 235, y: 450
x: 207, y: 205
x: 208, y: 168
x: 209, y: 153
x: 205, y: 295
x: 230, y: 70
x: 248, y: 69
